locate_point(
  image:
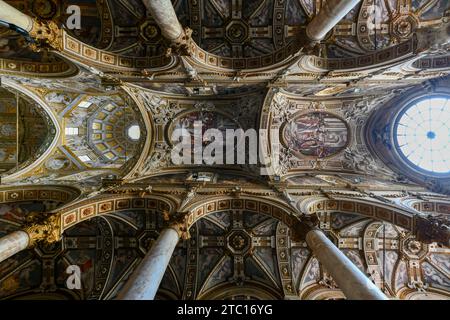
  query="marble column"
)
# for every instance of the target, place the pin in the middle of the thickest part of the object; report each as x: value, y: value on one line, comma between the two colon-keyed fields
x: 13, y: 243
x: 13, y: 16
x: 144, y: 282
x: 164, y: 14
x: 354, y: 284
x: 331, y: 12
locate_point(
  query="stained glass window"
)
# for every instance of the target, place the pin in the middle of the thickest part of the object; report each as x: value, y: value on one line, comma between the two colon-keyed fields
x: 422, y: 134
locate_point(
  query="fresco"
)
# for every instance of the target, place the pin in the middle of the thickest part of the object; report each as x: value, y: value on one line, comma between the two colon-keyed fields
x: 299, y: 257
x: 27, y: 277
x: 17, y: 212
x: 209, y: 120
x: 339, y: 220
x: 316, y: 134
x: 25, y: 129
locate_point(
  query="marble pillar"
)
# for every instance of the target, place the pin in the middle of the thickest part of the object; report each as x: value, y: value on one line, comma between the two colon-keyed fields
x: 331, y: 12
x: 13, y: 16
x: 13, y: 243
x: 164, y: 14
x: 354, y: 284
x: 144, y: 282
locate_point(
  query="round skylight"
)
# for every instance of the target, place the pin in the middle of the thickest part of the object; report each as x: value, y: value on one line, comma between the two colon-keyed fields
x: 422, y: 134
x: 134, y: 132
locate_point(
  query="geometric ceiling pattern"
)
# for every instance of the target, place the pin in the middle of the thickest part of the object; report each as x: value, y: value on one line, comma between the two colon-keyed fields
x: 230, y: 255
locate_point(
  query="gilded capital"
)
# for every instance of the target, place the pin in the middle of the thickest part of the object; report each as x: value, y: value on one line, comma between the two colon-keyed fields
x: 184, y: 45
x: 47, y: 230
x: 178, y: 222
x: 302, y: 226
x: 47, y: 34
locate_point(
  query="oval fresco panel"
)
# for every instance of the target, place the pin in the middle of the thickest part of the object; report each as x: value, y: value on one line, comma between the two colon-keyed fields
x: 316, y: 134
x: 209, y: 120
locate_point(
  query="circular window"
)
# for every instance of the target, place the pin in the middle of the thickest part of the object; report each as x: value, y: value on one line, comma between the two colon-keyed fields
x: 134, y: 132
x: 422, y: 134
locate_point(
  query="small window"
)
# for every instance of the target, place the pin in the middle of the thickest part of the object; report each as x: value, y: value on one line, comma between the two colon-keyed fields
x: 134, y: 132
x: 72, y: 131
x: 85, y: 158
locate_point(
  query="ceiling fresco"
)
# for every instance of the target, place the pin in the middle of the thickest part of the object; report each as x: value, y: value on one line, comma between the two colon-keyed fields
x: 243, y: 28
x: 25, y: 130
x: 316, y: 135
x: 231, y: 254
x: 94, y: 110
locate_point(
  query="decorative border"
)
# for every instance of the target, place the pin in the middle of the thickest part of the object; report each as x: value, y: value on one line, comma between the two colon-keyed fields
x: 43, y: 193
x: 258, y: 206
x: 83, y: 52
x: 402, y: 219
x: 108, y: 206
x: 59, y: 69
x: 396, y: 53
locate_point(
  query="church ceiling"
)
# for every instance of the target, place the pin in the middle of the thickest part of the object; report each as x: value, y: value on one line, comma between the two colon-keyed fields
x: 99, y: 112
x: 231, y: 254
x: 249, y: 28
x: 375, y: 25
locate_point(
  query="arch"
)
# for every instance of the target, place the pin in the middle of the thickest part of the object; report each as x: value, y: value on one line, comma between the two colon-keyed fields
x: 388, y: 213
x: 76, y: 50
x: 55, y: 70
x: 64, y: 194
x: 271, y: 208
x: 430, y: 294
x: 106, y: 204
x: 386, y: 57
x: 319, y: 292
x: 229, y: 291
x: 22, y: 171
x: 150, y: 136
x: 431, y: 206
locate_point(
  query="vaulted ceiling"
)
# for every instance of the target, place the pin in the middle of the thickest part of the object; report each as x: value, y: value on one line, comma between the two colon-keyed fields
x: 99, y: 115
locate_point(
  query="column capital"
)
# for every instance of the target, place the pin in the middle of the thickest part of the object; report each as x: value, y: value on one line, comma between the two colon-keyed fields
x: 45, y: 228
x: 178, y: 222
x: 47, y: 33
x: 184, y: 45
x: 302, y: 226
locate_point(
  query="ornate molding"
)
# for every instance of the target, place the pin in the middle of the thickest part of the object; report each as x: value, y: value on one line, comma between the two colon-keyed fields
x: 47, y: 33
x: 43, y: 228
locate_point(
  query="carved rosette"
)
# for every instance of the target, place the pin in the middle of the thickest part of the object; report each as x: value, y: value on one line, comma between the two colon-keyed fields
x: 47, y: 34
x: 48, y: 230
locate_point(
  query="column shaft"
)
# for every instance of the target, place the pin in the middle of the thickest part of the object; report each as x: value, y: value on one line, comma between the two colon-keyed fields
x: 11, y: 15
x: 164, y: 14
x: 13, y: 243
x: 144, y: 282
x: 331, y: 12
x: 353, y: 283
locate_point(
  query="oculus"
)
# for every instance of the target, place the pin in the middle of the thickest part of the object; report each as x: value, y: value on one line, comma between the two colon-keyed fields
x: 422, y: 134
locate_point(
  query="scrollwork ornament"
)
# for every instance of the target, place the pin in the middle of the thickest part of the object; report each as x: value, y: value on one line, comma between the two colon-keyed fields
x: 47, y: 34
x: 46, y: 229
